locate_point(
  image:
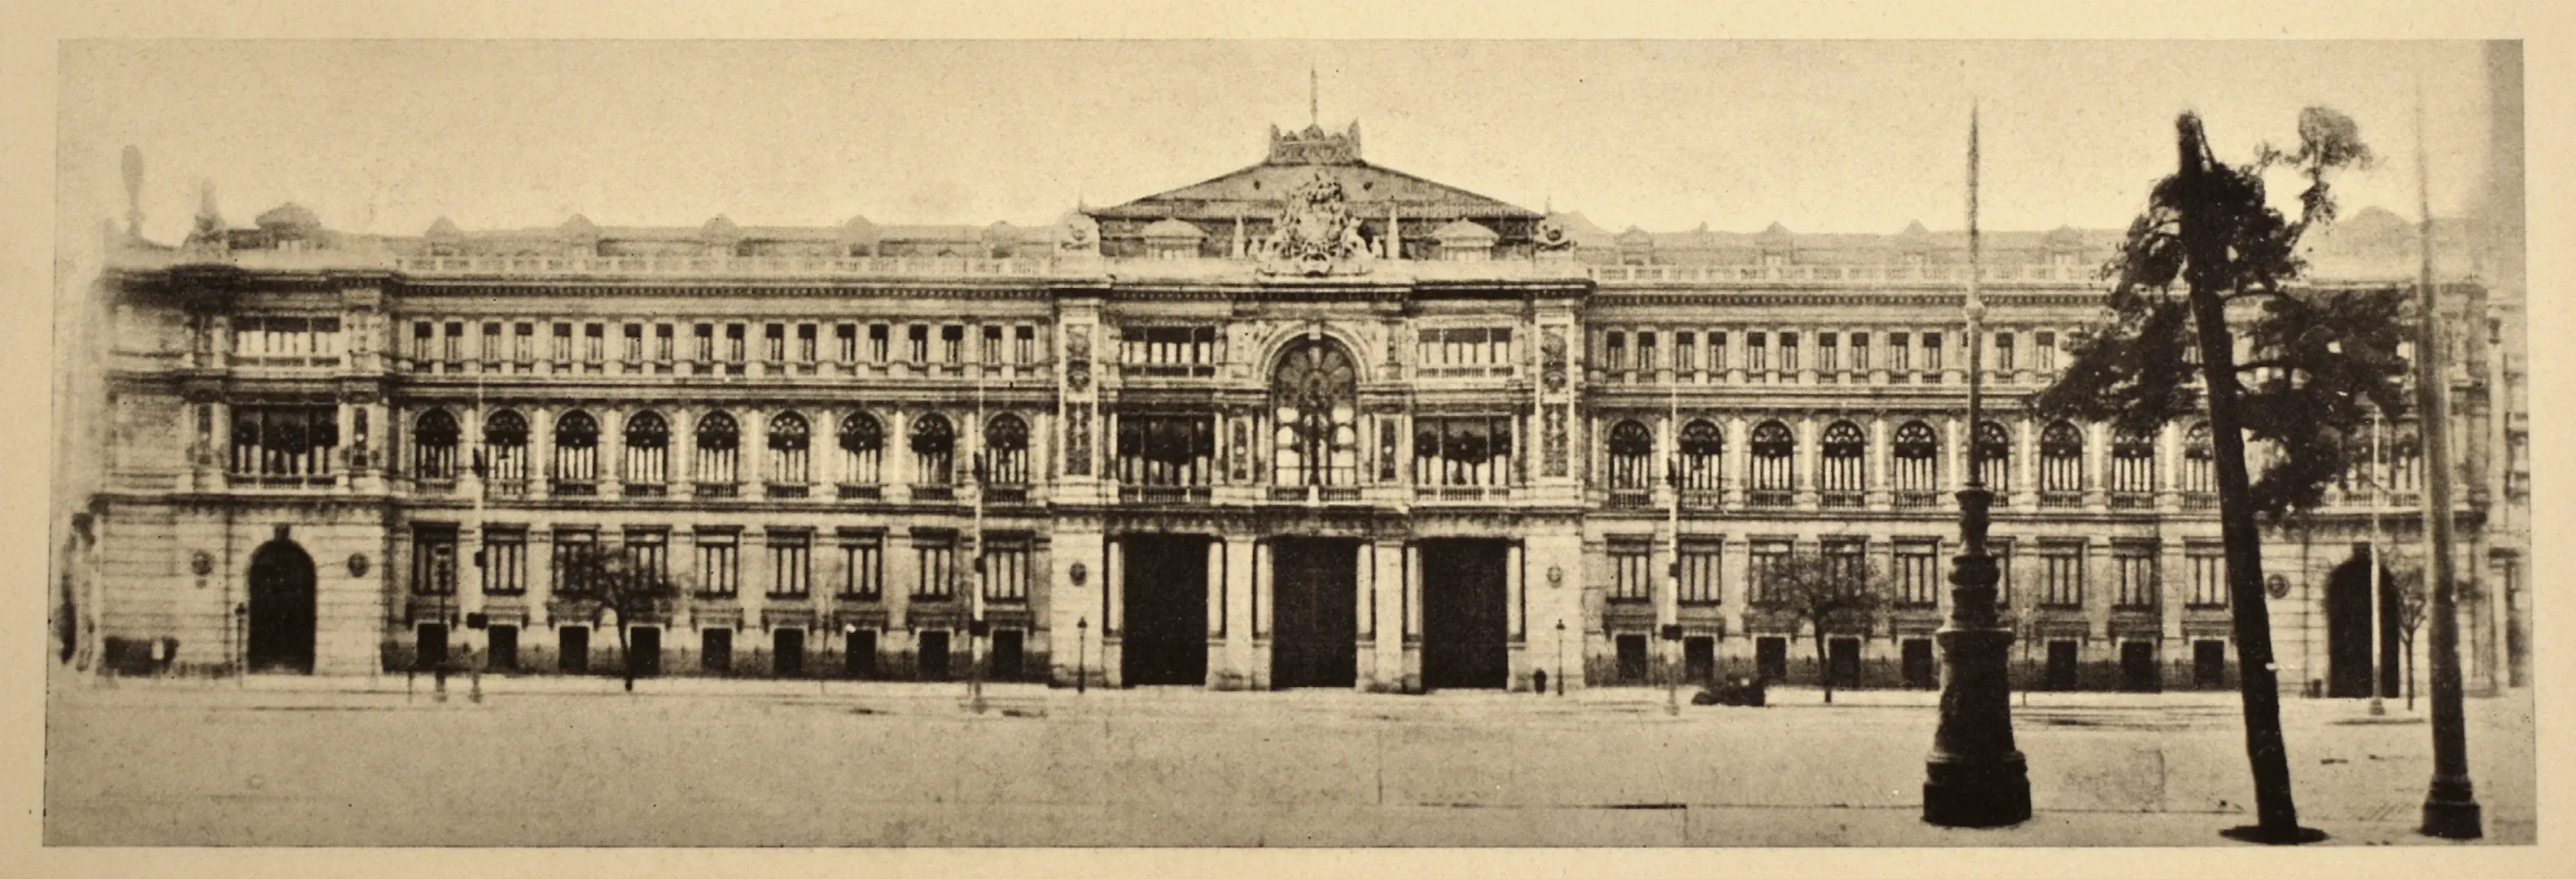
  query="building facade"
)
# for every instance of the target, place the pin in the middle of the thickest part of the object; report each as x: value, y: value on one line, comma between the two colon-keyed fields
x: 1313, y: 423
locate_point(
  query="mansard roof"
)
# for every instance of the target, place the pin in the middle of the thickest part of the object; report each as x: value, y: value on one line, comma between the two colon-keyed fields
x: 1371, y: 190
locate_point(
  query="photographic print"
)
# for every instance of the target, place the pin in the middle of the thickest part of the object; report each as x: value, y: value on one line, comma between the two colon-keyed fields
x: 1212, y: 443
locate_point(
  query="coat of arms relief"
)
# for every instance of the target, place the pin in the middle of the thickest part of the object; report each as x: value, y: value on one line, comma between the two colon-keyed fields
x: 1315, y: 233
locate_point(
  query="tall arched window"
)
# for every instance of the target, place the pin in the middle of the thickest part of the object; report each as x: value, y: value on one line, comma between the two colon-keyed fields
x: 2199, y: 464
x: 1703, y: 449
x: 505, y: 447
x: 2133, y: 465
x: 790, y: 438
x: 934, y: 450
x: 862, y: 450
x: 1843, y: 468
x: 2061, y: 464
x: 1991, y: 455
x: 1918, y: 465
x: 1775, y: 452
x: 433, y: 446
x: 576, y: 453
x: 719, y: 463
x: 1006, y: 450
x: 1314, y: 393
x: 1632, y: 450
x: 648, y: 454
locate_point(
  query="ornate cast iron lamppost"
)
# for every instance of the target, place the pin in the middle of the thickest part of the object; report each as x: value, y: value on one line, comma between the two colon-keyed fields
x: 1975, y: 777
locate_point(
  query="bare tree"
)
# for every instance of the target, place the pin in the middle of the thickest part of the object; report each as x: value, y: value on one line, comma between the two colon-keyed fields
x: 609, y: 581
x: 1830, y: 594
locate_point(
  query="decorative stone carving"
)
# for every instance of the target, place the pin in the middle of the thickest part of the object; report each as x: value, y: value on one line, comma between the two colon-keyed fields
x: 1552, y: 235
x: 1315, y: 233
x: 1077, y: 439
x: 1077, y: 357
x: 1555, y: 439
x: 1551, y: 349
x: 1078, y: 234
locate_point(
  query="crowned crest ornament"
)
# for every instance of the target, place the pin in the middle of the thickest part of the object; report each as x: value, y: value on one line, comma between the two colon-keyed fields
x: 1315, y: 233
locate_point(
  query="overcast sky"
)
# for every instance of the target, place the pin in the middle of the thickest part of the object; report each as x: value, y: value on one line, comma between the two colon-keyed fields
x: 386, y: 136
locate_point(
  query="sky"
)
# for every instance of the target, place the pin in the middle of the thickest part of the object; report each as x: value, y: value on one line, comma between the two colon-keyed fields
x: 1820, y: 136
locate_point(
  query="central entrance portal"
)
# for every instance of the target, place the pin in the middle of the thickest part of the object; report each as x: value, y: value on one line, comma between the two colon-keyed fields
x: 1465, y: 634
x: 1314, y: 640
x: 1166, y: 637
x: 281, y: 609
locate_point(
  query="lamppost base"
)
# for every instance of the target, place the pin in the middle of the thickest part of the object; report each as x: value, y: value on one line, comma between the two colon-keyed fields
x: 1977, y: 792
x: 2452, y: 812
x: 2257, y: 833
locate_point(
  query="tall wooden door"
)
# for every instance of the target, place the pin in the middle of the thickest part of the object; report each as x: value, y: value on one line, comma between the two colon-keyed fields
x: 1466, y: 636
x: 281, y: 613
x: 1165, y: 639
x: 1314, y: 639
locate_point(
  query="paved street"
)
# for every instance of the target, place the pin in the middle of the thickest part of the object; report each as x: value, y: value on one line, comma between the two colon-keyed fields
x: 552, y: 762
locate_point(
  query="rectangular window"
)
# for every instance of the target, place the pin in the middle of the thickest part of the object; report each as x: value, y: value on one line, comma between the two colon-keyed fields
x: 1829, y: 355
x: 862, y: 566
x: 1700, y: 583
x: 1615, y: 351
x: 773, y: 343
x: 2137, y: 586
x: 433, y: 560
x: 634, y: 351
x: 2004, y: 351
x: 719, y: 567
x: 1717, y: 351
x: 1900, y: 353
x: 952, y: 344
x: 1176, y: 449
x: 1788, y: 352
x: 1171, y: 351
x: 992, y: 345
x: 1462, y: 451
x: 523, y: 345
x: 293, y: 443
x: 1757, y: 352
x: 2062, y: 576
x: 505, y: 561
x: 848, y: 337
x: 648, y: 554
x: 424, y: 343
x: 735, y: 343
x: 2001, y: 550
x: 934, y: 556
x: 661, y: 343
x: 2045, y: 345
x: 880, y: 343
x: 805, y: 341
x: 1025, y: 345
x: 1006, y: 569
x: 1685, y: 352
x: 917, y: 338
x: 706, y: 343
x: 573, y: 553
x: 1648, y: 359
x: 1932, y: 352
x: 1860, y: 351
x: 1632, y: 576
x: 593, y: 343
x: 561, y: 350
x: 790, y: 564
x: 2208, y: 576
x: 1918, y: 573
x: 1766, y: 557
x: 1848, y: 557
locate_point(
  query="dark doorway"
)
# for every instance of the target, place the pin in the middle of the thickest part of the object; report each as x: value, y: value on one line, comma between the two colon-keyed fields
x: 1843, y: 661
x: 2209, y: 664
x: 715, y: 650
x: 2348, y: 649
x: 1699, y: 658
x: 2138, y: 667
x: 572, y: 649
x: 1632, y: 658
x: 1166, y: 636
x: 930, y: 655
x: 281, y: 609
x: 1466, y: 638
x: 1917, y: 661
x: 859, y: 656
x: 644, y: 651
x: 1771, y: 659
x: 2061, y: 665
x: 1314, y: 612
x: 787, y: 653
x: 429, y: 646
x: 1009, y: 656
x: 501, y: 648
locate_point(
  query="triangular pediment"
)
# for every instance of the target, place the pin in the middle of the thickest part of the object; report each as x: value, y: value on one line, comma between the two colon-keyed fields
x: 1257, y: 191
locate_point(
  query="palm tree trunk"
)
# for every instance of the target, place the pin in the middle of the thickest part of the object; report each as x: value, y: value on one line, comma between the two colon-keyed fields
x: 2206, y: 251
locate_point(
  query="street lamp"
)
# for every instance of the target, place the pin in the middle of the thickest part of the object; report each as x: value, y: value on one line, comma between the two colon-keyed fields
x: 1560, y: 653
x: 1975, y: 777
x: 1081, y: 655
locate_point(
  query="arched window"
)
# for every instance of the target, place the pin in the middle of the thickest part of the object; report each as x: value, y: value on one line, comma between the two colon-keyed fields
x: 934, y: 450
x: 1314, y: 395
x: 1632, y: 449
x: 1006, y: 450
x: 1918, y: 464
x: 719, y: 463
x: 2061, y: 461
x: 1774, y: 467
x: 576, y: 450
x: 2199, y: 470
x: 789, y: 439
x: 862, y: 450
x: 648, y: 454
x: 1842, y: 472
x: 1703, y: 449
x: 433, y: 453
x: 1992, y: 458
x: 2133, y: 463
x: 505, y: 446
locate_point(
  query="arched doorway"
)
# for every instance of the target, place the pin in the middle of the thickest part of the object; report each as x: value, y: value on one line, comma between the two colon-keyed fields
x: 281, y: 609
x: 2348, y: 648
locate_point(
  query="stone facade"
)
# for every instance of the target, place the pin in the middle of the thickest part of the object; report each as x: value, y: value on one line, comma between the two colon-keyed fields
x: 1314, y: 423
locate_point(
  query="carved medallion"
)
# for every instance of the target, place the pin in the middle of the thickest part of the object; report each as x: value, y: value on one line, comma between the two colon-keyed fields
x: 1315, y: 233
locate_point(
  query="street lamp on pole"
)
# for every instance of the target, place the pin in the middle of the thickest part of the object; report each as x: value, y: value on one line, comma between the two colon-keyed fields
x: 1560, y: 657
x: 1975, y: 777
